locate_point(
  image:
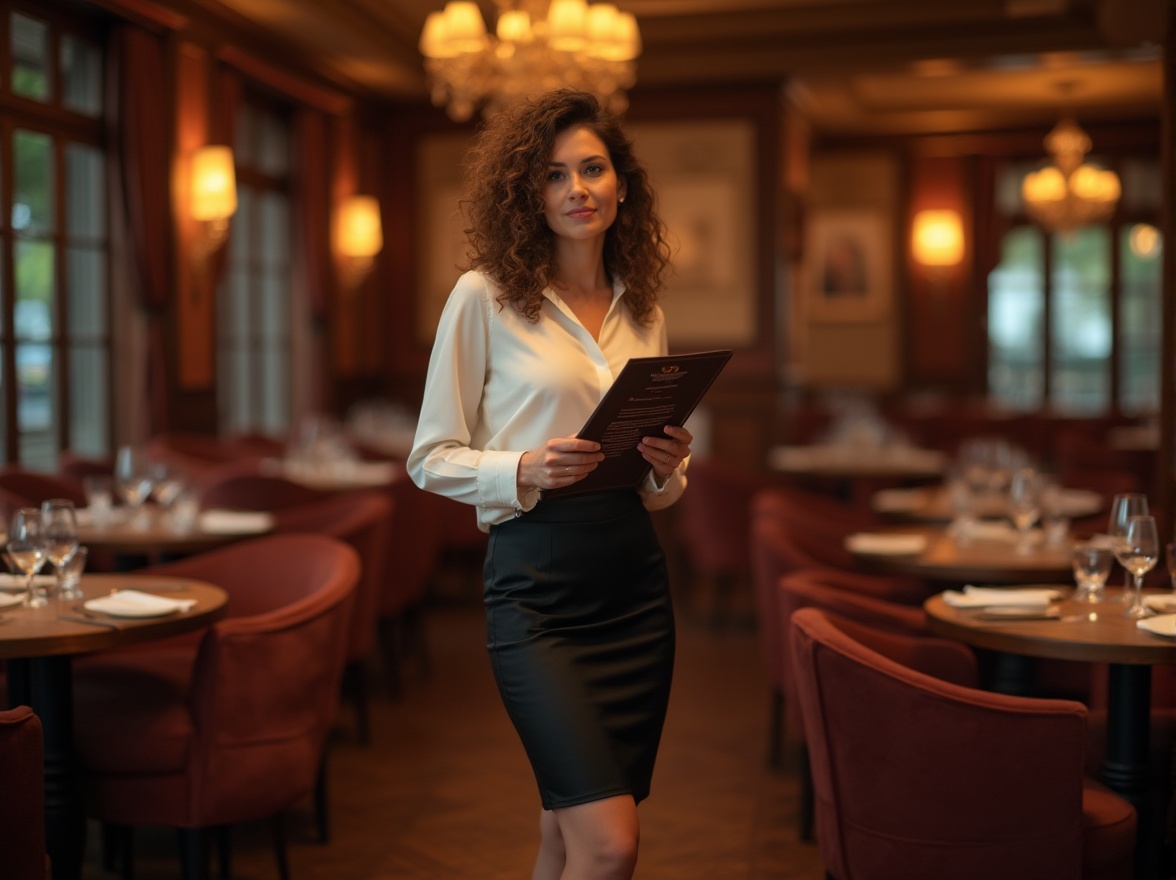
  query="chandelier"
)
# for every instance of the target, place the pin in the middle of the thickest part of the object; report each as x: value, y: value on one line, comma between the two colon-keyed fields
x: 1069, y: 193
x: 535, y: 48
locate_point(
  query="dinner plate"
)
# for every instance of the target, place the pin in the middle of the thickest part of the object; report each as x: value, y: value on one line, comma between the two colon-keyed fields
x: 1161, y: 625
x: 1161, y: 603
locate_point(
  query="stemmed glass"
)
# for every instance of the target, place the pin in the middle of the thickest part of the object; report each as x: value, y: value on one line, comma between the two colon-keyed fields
x: 1142, y: 551
x: 167, y: 483
x: 26, y: 550
x: 1092, y: 562
x: 60, y: 526
x: 1124, y: 506
x: 132, y: 474
x: 1024, y: 504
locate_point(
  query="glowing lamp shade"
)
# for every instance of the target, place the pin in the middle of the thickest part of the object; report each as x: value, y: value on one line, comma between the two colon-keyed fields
x: 214, y: 184
x: 359, y: 230
x: 938, y: 238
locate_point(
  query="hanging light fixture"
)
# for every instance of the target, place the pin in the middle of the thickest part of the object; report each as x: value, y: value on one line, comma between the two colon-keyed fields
x: 535, y: 48
x: 1070, y: 193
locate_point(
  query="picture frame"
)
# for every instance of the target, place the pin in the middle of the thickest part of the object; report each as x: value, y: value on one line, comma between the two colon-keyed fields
x: 847, y: 266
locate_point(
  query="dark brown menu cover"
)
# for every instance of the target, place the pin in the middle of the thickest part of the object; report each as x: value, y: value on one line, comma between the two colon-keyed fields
x: 649, y: 394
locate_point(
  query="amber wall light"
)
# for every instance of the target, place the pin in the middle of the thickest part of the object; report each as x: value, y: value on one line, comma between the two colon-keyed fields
x: 213, y: 196
x: 358, y: 237
x: 938, y: 238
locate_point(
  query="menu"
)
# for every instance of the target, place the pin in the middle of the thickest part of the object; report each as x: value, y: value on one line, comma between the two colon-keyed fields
x: 648, y: 394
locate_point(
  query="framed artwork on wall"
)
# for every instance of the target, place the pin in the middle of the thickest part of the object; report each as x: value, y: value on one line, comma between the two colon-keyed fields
x: 848, y: 265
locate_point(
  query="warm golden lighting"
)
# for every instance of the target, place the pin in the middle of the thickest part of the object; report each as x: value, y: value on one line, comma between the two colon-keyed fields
x: 938, y: 238
x: 535, y: 48
x: 358, y: 237
x: 213, y: 195
x: 1145, y: 241
x: 1070, y: 193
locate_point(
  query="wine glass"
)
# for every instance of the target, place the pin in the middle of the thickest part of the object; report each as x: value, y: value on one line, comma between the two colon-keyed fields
x: 26, y: 550
x: 132, y: 474
x: 60, y: 527
x: 1142, y: 551
x: 1170, y: 559
x: 1024, y: 504
x: 1124, y: 506
x: 1092, y: 562
x: 167, y: 482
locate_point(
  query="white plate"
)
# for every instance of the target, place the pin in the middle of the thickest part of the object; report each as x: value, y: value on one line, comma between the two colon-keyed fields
x: 132, y: 603
x: 7, y: 600
x: 1163, y: 603
x: 884, y: 544
x: 17, y: 581
x: 1163, y: 625
x: 236, y: 522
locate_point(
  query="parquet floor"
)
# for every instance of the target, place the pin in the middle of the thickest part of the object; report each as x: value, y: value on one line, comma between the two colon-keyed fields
x: 443, y: 792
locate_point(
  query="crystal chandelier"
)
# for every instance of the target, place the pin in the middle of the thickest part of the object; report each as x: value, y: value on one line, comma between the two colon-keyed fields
x: 1069, y: 193
x: 535, y: 49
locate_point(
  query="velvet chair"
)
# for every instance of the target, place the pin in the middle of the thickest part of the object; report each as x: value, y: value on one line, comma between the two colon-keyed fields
x: 22, y: 804
x: 37, y: 487
x: 239, y: 486
x: 76, y: 466
x: 232, y: 727
x: 713, y: 520
x: 921, y: 778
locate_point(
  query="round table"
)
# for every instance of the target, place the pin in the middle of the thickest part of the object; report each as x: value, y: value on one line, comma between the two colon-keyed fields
x: 1096, y: 634
x: 156, y: 537
x: 981, y: 560
x: 39, y: 645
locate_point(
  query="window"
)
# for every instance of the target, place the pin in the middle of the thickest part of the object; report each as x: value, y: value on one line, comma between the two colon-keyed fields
x: 254, y: 336
x: 54, y: 312
x: 1074, y: 318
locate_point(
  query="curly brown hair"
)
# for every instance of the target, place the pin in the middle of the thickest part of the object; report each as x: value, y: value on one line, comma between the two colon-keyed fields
x: 508, y: 237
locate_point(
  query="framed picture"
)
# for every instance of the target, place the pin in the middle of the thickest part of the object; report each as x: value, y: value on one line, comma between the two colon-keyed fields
x: 847, y: 266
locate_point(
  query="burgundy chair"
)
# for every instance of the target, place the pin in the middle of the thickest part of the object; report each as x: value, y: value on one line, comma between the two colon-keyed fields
x: 77, y: 466
x: 22, y: 805
x: 37, y: 487
x: 239, y: 486
x: 921, y: 778
x: 232, y: 727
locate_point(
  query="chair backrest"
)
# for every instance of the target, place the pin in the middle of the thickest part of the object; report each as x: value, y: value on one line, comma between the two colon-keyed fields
x: 37, y: 487
x: 22, y: 810
x: 243, y: 487
x: 77, y: 466
x: 415, y: 543
x: 841, y: 594
x: 924, y: 779
x: 265, y: 688
x: 714, y: 517
x: 364, y: 521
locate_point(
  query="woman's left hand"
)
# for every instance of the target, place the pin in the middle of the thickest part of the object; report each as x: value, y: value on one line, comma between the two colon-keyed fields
x: 666, y: 453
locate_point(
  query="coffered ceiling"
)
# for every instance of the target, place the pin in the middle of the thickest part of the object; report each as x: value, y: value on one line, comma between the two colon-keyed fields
x: 854, y: 65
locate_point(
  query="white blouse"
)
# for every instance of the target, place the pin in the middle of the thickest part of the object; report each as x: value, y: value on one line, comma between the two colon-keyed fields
x: 499, y: 385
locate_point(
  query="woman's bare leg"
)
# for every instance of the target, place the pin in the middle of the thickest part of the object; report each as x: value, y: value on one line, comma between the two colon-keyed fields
x: 549, y: 864
x: 599, y: 839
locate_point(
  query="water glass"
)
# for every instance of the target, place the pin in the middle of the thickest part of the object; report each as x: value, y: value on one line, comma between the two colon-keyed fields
x: 185, y: 511
x: 99, y: 490
x: 1139, y: 553
x: 132, y: 475
x: 60, y: 528
x: 1024, y: 504
x: 1124, y: 506
x: 1092, y: 562
x: 69, y: 585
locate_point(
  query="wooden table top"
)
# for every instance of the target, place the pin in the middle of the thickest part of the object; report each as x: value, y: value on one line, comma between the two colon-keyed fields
x: 852, y: 461
x: 933, y: 504
x: 157, y: 536
x: 1097, y: 633
x: 980, y: 560
x: 40, y: 632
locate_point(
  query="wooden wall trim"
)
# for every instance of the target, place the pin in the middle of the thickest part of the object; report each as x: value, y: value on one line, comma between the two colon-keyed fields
x: 305, y: 92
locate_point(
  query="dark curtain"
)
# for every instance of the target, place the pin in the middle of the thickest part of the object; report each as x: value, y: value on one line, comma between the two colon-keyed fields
x: 226, y: 104
x: 140, y: 114
x: 312, y: 194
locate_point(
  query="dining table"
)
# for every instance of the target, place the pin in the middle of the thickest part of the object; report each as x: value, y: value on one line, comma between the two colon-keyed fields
x: 988, y: 555
x: 933, y: 503
x: 158, y: 534
x: 38, y: 646
x: 334, y: 475
x: 1091, y: 633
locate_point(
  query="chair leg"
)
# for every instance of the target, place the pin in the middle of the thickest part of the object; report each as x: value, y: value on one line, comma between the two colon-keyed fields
x: 389, y: 639
x: 807, y: 806
x: 414, y: 620
x: 193, y: 854
x: 355, y: 686
x: 280, y: 847
x: 776, y: 729
x: 224, y: 850
x: 322, y: 818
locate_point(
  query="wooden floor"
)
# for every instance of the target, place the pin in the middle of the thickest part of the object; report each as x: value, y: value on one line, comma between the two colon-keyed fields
x: 443, y: 792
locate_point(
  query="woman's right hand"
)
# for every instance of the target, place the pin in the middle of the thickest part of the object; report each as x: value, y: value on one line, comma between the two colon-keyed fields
x: 559, y: 462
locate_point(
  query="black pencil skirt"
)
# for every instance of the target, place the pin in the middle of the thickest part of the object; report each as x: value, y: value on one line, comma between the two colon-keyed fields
x: 581, y: 637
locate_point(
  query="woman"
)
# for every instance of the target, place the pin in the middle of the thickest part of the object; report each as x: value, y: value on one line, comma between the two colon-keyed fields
x: 567, y: 255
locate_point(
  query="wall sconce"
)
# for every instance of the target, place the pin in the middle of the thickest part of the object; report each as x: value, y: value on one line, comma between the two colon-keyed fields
x: 938, y: 238
x: 213, y: 196
x: 358, y: 238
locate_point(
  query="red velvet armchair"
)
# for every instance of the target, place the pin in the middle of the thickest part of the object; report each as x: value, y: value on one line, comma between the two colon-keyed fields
x: 22, y: 804
x: 921, y: 778
x: 231, y: 728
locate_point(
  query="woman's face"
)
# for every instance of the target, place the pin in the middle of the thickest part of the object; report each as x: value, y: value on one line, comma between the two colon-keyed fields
x: 580, y: 196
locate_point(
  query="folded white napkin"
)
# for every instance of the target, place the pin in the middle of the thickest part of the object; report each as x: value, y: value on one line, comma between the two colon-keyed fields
x: 986, y: 597
x: 135, y: 603
x: 1162, y: 625
x: 18, y: 581
x: 899, y: 500
x: 886, y: 543
x: 1163, y: 603
x: 9, y: 599
x: 222, y: 522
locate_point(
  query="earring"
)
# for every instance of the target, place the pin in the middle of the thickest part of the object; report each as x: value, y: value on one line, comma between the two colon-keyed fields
x: 621, y: 200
